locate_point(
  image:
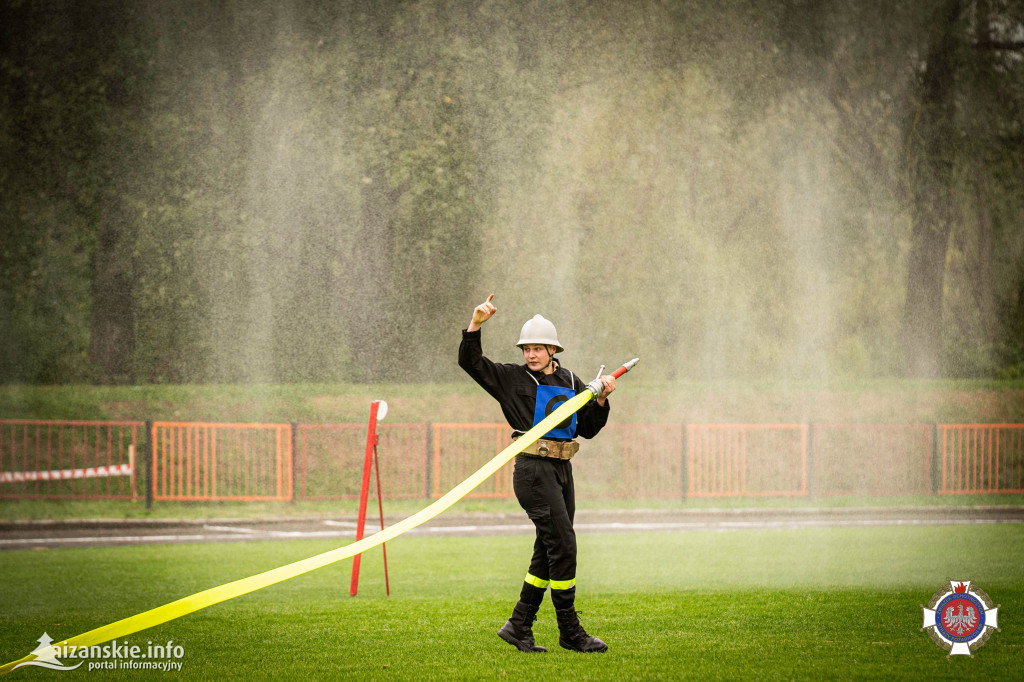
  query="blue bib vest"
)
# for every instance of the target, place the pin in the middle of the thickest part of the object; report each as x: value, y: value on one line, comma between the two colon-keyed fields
x: 549, y: 399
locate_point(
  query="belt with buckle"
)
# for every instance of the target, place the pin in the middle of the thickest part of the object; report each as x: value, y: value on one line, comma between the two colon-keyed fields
x: 555, y: 449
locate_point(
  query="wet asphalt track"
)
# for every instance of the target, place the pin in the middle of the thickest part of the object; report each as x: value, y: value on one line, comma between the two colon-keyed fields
x: 60, y: 534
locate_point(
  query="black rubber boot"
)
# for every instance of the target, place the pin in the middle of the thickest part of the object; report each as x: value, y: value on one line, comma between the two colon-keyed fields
x: 572, y: 636
x: 517, y: 631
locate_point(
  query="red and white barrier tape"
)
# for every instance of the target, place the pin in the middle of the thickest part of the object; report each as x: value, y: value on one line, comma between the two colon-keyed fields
x: 66, y: 474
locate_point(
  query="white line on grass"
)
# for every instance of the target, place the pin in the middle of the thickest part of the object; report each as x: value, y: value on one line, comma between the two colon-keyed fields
x: 499, y: 528
x: 233, y: 529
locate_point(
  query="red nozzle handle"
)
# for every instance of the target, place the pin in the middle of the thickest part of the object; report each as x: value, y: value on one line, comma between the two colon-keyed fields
x: 625, y: 368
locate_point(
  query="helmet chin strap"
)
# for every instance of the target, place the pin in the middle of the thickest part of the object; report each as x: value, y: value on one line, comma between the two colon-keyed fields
x: 551, y: 357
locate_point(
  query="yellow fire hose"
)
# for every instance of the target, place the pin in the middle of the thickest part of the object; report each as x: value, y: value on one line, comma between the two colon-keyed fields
x: 215, y: 595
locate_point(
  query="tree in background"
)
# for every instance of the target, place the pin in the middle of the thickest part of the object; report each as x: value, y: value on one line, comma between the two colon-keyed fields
x: 924, y: 97
x: 306, y: 191
x: 69, y: 76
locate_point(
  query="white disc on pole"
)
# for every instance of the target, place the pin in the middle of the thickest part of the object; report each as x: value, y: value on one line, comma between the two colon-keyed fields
x: 382, y: 410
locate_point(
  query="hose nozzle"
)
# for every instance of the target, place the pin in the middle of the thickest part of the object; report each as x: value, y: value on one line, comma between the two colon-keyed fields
x: 626, y: 367
x: 597, y: 386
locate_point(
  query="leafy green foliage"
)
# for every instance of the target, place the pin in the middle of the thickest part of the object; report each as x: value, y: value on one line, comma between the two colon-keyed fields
x: 307, y: 191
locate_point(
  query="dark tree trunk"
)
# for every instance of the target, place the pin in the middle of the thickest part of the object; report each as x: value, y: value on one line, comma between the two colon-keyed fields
x: 985, y: 282
x: 371, y: 318
x: 112, y: 327
x: 932, y: 187
x: 922, y: 318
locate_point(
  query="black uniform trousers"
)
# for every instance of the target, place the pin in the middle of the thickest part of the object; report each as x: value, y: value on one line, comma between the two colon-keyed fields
x: 544, y: 489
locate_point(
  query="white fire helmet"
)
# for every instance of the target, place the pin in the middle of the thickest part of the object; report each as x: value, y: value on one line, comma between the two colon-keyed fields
x: 539, y: 330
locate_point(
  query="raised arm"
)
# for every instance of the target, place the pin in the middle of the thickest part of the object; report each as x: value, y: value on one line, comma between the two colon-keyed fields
x: 471, y: 357
x: 481, y: 314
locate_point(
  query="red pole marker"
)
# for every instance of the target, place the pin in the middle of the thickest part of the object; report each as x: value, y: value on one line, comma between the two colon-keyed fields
x: 371, y: 443
x: 380, y: 505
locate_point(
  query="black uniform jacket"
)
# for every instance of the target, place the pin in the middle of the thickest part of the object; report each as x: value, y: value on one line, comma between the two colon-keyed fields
x: 514, y: 388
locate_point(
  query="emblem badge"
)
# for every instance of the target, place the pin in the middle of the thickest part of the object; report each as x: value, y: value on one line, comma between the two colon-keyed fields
x: 960, y: 618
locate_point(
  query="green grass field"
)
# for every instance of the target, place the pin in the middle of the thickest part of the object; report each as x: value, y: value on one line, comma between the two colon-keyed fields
x: 26, y: 510
x: 745, y: 605
x: 641, y: 399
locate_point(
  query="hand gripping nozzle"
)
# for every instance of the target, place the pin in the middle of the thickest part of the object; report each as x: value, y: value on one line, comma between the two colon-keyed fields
x: 597, y: 386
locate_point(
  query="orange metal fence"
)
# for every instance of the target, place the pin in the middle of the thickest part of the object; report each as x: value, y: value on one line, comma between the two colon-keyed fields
x: 329, y: 460
x: 209, y: 461
x: 626, y: 461
x: 461, y: 449
x: 632, y: 460
x: 746, y: 460
x: 212, y: 461
x: 872, y: 459
x: 68, y: 460
x: 982, y: 458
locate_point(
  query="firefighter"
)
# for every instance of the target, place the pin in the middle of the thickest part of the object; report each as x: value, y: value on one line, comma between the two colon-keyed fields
x: 542, y: 478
